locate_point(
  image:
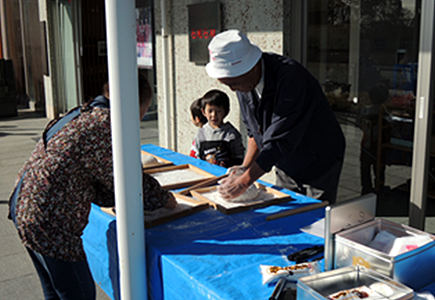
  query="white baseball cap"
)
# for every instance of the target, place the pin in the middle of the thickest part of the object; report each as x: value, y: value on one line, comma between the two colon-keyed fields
x: 231, y: 55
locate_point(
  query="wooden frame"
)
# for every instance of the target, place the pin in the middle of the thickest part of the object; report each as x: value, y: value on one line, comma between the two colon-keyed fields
x: 279, y: 197
x: 201, y: 176
x: 164, y: 215
x: 161, y: 162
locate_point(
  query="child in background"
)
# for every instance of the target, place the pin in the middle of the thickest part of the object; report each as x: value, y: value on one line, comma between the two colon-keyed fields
x: 198, y: 118
x: 218, y: 142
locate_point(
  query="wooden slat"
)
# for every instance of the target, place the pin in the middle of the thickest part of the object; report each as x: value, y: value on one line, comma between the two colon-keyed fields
x: 208, y: 182
x: 181, y: 184
x: 295, y: 211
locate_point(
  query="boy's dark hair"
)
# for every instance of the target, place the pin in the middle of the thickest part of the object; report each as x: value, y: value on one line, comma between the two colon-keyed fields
x: 195, y: 110
x: 218, y: 98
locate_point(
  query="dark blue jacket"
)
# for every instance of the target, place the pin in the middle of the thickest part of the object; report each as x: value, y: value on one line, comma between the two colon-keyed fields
x: 294, y: 126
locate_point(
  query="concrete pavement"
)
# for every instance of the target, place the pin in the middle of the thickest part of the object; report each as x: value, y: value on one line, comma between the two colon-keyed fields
x: 18, y: 278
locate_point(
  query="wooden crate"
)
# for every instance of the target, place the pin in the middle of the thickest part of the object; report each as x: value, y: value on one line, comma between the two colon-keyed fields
x: 267, y: 196
x: 161, y: 162
x: 176, y: 177
x: 186, y: 206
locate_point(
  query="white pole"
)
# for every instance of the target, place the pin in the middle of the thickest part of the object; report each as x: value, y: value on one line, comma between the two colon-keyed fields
x: 124, y: 104
x: 423, y: 117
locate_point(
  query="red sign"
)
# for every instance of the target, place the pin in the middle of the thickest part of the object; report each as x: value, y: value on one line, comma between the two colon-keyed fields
x: 204, y: 34
x: 202, y: 18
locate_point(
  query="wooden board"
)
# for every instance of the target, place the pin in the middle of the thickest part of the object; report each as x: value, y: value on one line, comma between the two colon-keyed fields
x: 161, y: 162
x: 186, y: 206
x: 267, y: 196
x: 176, y: 177
x: 202, y: 184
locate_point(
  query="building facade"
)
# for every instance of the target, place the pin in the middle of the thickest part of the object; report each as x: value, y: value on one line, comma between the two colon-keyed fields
x: 372, y: 58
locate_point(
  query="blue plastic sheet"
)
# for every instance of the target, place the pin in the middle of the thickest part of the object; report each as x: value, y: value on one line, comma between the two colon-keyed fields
x: 207, y: 255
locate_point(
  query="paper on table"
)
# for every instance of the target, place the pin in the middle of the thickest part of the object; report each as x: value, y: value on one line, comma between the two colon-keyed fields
x: 317, y: 228
x: 425, y: 295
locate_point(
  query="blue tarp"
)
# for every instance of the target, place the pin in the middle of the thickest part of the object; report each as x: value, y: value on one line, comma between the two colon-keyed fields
x: 207, y: 255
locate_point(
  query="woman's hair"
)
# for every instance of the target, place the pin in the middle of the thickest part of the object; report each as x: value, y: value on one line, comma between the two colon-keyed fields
x: 218, y: 98
x: 145, y: 90
x: 195, y: 110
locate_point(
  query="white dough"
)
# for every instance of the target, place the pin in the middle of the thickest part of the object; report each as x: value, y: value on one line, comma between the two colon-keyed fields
x: 250, y: 194
x: 148, y: 159
x: 215, y: 197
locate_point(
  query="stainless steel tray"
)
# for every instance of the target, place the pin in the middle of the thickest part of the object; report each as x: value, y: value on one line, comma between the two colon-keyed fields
x: 413, y: 268
x: 320, y: 286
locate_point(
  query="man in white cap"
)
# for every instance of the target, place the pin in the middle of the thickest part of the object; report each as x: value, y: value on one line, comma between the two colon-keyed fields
x: 289, y: 121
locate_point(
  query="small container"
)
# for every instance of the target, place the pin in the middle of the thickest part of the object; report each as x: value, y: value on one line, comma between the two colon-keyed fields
x: 322, y: 285
x: 413, y: 268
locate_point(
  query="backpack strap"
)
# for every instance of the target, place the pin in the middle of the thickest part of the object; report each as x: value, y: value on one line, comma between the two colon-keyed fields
x: 100, y: 101
x: 59, y: 124
x: 13, y: 200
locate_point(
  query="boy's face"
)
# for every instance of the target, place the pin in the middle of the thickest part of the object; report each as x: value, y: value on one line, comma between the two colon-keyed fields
x: 214, y: 114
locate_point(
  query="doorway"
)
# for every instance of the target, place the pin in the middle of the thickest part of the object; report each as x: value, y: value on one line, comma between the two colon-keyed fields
x: 81, y: 67
x: 365, y: 56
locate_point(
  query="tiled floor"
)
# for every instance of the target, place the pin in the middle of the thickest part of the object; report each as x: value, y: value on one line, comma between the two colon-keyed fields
x: 393, y: 201
x: 350, y: 182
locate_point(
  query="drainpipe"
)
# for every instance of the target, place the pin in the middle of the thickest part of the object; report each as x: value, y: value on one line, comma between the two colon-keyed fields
x: 24, y: 48
x: 127, y: 170
x: 166, y: 94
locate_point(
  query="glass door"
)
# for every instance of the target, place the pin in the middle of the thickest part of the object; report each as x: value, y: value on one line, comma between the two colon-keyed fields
x: 65, y: 55
x: 365, y: 54
x: 146, y: 47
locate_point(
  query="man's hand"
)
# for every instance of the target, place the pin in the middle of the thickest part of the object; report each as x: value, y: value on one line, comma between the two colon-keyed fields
x: 236, y: 170
x: 172, y: 203
x: 231, y: 187
x: 239, y: 180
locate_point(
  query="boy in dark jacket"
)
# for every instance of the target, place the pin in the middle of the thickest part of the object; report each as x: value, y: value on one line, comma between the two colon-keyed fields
x: 218, y: 142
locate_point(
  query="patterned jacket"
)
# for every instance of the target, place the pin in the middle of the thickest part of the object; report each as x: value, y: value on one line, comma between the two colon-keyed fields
x: 61, y: 181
